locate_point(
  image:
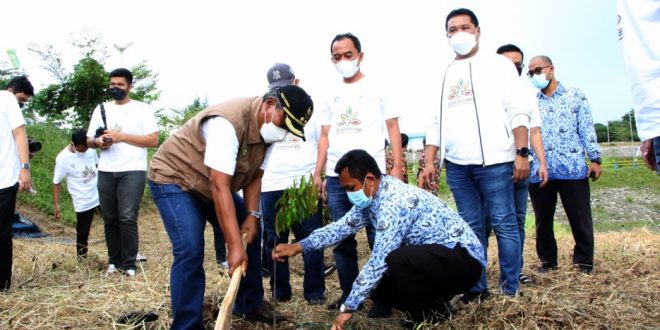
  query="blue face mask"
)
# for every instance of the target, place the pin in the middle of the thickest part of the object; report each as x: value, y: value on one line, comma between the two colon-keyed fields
x: 359, y: 198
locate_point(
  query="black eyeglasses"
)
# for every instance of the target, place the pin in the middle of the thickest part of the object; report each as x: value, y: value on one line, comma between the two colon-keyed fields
x: 538, y: 70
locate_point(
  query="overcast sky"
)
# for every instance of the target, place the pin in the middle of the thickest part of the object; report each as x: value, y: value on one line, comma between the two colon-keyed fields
x: 222, y: 49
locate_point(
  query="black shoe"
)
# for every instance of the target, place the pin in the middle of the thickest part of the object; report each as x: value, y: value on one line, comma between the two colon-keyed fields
x: 264, y: 314
x: 316, y: 301
x: 544, y: 268
x: 379, y: 311
x: 470, y: 296
x: 586, y: 269
x: 524, y: 279
x: 328, y: 269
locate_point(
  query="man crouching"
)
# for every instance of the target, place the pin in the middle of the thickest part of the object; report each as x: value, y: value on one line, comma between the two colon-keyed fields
x: 423, y: 255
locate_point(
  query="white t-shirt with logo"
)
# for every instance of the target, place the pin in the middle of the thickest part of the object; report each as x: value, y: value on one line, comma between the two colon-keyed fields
x: 135, y: 118
x: 292, y: 158
x: 81, y: 176
x: 10, y: 118
x: 356, y: 114
x: 462, y: 132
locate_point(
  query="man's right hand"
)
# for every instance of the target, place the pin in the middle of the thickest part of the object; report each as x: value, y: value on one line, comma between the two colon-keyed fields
x: 283, y: 251
x: 237, y: 257
x: 102, y: 144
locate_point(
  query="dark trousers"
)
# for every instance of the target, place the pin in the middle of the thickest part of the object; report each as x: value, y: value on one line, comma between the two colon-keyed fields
x: 421, y: 278
x: 83, y: 225
x: 575, y: 196
x: 314, y: 278
x: 120, y: 194
x: 7, y: 209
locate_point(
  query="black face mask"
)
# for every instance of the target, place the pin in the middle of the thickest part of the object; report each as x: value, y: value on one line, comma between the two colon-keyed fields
x: 21, y: 105
x: 117, y: 93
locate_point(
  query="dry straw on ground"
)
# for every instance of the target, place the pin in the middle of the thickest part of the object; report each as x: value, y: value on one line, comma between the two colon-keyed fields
x: 51, y: 290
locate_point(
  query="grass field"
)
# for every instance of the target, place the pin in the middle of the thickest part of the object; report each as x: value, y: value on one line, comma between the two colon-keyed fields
x: 52, y: 290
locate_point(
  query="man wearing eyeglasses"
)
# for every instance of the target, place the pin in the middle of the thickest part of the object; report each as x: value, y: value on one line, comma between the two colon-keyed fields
x: 520, y: 188
x: 568, y: 134
x: 481, y: 131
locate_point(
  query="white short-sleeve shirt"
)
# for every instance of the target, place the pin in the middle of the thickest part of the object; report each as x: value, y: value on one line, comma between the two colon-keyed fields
x: 79, y: 170
x: 134, y: 117
x: 10, y: 118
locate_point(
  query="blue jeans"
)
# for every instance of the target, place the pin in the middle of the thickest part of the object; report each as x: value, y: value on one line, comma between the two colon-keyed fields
x: 520, y: 194
x: 314, y: 278
x: 120, y: 194
x: 185, y: 215
x: 345, y: 252
x: 481, y: 190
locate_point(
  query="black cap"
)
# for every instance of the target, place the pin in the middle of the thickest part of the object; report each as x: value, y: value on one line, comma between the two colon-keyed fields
x: 298, y: 108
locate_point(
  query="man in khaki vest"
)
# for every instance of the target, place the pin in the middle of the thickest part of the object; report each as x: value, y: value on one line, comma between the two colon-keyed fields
x: 195, y: 175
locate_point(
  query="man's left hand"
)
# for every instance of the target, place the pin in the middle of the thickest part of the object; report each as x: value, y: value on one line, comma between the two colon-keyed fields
x: 594, y: 171
x: 341, y: 320
x: 520, y: 168
x: 251, y: 227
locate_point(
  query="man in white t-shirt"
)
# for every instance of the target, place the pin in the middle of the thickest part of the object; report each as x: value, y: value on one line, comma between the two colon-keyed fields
x: 355, y: 116
x: 289, y: 161
x: 77, y: 164
x: 481, y: 131
x: 14, y: 167
x: 123, y: 130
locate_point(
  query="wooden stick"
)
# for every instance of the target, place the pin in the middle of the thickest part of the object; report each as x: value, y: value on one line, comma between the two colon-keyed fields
x: 224, y: 315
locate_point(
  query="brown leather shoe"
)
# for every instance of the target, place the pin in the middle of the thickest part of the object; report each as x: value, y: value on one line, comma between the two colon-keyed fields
x: 265, y: 313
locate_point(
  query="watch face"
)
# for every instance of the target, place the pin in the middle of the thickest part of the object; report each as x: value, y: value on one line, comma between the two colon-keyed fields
x: 524, y: 151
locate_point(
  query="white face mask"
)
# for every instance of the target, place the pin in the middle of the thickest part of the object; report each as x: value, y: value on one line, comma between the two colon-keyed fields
x: 347, y: 69
x: 540, y: 81
x: 271, y: 133
x: 462, y: 42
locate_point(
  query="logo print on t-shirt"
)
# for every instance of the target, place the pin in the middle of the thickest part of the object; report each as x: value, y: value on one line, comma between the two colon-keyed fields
x: 88, y: 173
x: 349, y: 118
x: 460, y: 90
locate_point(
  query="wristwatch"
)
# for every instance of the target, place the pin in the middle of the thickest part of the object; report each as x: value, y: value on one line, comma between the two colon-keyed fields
x: 255, y: 214
x: 25, y: 166
x: 597, y: 161
x: 344, y: 309
x: 523, y: 152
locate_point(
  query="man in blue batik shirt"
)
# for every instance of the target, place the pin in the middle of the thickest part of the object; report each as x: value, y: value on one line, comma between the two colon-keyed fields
x: 423, y: 255
x: 568, y: 134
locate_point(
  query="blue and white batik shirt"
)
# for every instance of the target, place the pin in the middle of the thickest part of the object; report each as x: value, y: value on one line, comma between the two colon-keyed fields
x: 567, y: 129
x: 402, y: 215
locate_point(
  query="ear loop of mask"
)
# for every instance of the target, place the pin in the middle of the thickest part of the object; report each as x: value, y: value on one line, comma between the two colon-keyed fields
x: 364, y: 183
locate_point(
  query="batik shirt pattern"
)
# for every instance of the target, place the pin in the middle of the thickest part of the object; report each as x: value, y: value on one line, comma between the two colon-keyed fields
x: 568, y: 133
x: 402, y: 215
